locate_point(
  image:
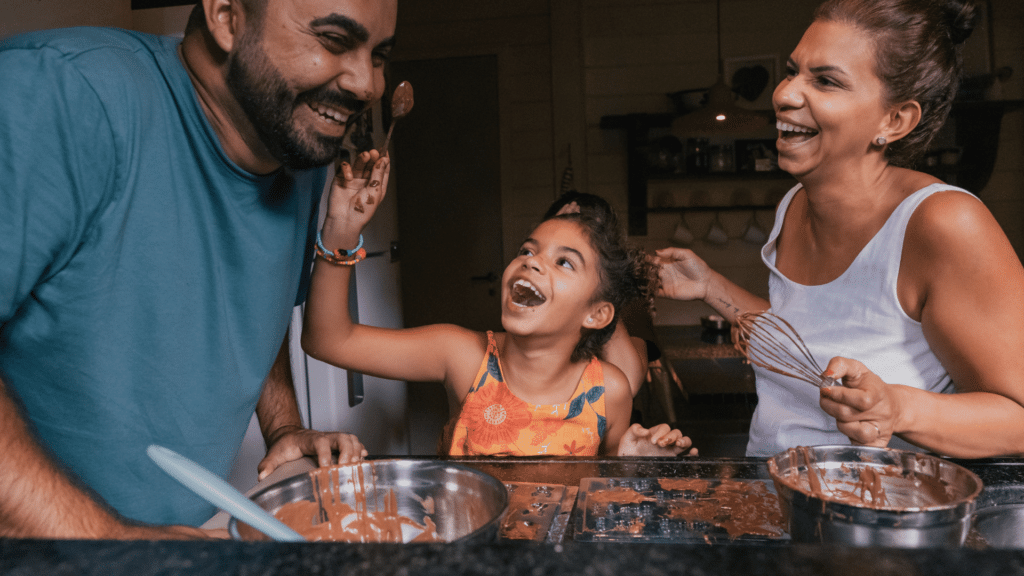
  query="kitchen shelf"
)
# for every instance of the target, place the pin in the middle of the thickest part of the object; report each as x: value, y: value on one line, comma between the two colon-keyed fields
x: 721, y: 176
x: 976, y: 124
x: 724, y: 208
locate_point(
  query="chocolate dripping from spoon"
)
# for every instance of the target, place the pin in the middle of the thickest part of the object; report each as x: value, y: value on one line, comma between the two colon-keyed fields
x: 401, y: 104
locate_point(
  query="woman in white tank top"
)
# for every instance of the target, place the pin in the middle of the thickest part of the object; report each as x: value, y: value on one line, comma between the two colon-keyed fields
x: 905, y: 285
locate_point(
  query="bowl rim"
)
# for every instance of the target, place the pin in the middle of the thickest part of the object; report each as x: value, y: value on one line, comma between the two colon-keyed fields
x: 959, y: 505
x: 420, y: 463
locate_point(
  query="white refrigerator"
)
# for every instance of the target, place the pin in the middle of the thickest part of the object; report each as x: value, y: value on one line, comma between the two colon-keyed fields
x: 331, y: 398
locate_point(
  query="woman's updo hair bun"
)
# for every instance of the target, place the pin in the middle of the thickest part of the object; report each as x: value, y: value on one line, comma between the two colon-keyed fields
x: 962, y: 18
x: 918, y: 57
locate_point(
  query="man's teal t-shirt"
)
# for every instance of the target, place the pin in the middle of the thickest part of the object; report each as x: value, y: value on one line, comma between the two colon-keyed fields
x: 146, y: 281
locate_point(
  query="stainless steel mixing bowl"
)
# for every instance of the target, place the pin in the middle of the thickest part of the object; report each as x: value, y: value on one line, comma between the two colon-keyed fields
x: 464, y: 503
x: 1000, y: 526
x: 928, y: 500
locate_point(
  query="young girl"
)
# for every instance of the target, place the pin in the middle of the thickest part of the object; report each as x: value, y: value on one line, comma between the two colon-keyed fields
x: 537, y: 388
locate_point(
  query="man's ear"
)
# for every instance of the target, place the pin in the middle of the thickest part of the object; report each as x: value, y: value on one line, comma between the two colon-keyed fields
x: 224, y: 19
x: 600, y: 316
x: 902, y: 119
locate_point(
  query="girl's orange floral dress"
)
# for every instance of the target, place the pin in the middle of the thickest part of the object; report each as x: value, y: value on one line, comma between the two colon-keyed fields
x: 495, y: 422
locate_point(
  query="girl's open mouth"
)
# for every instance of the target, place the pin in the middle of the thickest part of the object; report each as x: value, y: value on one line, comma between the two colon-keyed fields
x: 525, y: 294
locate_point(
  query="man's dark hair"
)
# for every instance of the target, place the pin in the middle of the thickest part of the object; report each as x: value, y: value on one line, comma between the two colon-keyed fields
x: 254, y: 10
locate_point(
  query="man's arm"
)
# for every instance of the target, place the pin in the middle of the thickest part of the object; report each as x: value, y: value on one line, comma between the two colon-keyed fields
x: 38, y: 500
x: 281, y: 424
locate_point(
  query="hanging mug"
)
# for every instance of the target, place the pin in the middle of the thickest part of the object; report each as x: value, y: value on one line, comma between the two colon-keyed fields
x: 682, y: 235
x: 717, y: 234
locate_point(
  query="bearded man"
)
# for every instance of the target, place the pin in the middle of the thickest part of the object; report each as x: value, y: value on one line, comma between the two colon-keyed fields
x: 158, y: 201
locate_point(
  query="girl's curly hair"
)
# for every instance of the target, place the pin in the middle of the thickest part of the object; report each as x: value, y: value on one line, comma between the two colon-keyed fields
x: 626, y: 273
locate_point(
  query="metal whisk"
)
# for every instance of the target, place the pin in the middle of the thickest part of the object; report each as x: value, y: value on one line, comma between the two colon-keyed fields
x: 769, y: 341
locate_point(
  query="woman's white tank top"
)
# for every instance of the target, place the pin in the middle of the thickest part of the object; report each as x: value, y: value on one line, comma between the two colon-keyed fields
x: 858, y: 316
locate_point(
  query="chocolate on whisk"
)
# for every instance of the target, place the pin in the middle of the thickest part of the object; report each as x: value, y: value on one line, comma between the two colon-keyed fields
x: 768, y: 341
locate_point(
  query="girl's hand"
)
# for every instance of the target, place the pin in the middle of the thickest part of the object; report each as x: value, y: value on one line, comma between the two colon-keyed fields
x: 684, y: 276
x: 356, y: 192
x: 661, y: 440
x: 866, y: 409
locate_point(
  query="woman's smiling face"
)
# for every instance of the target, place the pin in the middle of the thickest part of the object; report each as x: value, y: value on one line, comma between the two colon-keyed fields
x: 551, y: 284
x: 831, y: 105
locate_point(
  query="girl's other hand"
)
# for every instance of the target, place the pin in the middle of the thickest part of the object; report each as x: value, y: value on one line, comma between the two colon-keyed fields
x: 660, y: 440
x: 865, y: 408
x: 684, y: 276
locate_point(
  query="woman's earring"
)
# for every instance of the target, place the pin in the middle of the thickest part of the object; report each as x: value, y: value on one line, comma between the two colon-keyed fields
x: 880, y: 140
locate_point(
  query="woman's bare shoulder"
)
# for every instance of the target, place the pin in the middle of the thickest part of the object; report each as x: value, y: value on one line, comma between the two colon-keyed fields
x: 952, y: 217
x: 615, y: 382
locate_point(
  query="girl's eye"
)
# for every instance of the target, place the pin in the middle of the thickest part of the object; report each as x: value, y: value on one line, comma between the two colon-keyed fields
x: 566, y: 263
x: 790, y: 71
x: 524, y: 251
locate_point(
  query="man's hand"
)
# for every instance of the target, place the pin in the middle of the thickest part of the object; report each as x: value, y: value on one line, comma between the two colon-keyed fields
x: 300, y: 442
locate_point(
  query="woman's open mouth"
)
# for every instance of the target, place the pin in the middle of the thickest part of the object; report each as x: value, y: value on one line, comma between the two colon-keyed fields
x: 793, y: 134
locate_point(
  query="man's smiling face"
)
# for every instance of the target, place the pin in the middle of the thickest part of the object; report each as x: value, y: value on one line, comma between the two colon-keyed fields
x: 303, y: 70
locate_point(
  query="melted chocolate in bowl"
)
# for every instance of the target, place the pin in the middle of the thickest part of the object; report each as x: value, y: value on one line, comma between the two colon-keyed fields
x: 385, y: 501
x: 874, y: 496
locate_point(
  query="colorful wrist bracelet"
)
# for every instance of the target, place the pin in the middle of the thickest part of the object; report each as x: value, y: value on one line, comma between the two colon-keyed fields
x: 320, y: 245
x: 339, y: 260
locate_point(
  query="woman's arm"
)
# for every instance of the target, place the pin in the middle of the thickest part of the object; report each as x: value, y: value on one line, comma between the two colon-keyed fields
x: 684, y: 276
x: 962, y: 279
x: 618, y: 403
x: 627, y: 354
x: 622, y: 439
x: 328, y: 334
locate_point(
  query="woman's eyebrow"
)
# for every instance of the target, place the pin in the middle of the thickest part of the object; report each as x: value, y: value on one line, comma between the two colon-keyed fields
x: 828, y: 68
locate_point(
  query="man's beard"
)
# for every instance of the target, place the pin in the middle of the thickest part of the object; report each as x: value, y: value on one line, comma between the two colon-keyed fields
x: 269, y: 103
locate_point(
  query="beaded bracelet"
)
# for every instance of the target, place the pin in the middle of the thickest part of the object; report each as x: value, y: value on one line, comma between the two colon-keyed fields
x: 320, y: 245
x: 341, y: 261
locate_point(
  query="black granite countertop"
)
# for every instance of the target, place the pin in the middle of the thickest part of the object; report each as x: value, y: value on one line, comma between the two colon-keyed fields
x: 38, y: 558
x: 45, y: 557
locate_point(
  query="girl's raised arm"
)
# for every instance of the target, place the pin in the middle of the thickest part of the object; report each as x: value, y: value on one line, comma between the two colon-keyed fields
x: 328, y: 334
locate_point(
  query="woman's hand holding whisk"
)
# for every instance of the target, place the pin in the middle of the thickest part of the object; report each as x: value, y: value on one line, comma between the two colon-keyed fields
x: 866, y: 409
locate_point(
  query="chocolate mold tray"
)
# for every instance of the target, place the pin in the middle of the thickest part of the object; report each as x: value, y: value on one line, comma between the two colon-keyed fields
x: 532, y: 510
x: 678, y: 510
